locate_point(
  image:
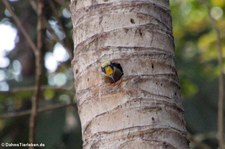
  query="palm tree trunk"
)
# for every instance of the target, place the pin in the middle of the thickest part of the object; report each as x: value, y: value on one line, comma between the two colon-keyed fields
x: 143, y: 110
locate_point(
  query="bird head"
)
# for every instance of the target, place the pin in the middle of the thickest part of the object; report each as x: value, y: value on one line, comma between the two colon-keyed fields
x: 107, y: 68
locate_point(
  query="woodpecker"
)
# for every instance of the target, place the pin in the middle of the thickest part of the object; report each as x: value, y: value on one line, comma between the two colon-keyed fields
x: 112, y: 70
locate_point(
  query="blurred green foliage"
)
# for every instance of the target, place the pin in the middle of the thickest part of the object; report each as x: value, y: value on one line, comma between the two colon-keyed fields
x: 197, y: 63
x: 196, y: 59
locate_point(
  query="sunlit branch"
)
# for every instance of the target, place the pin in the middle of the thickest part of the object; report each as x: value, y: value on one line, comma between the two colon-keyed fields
x: 32, y: 88
x: 55, y: 36
x: 66, y: 45
x: 28, y: 112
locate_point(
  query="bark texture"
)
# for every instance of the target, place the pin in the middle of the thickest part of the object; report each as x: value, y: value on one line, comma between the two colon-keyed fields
x: 143, y: 110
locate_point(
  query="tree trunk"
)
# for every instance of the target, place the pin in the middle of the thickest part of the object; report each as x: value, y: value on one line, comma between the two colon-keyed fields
x: 143, y: 110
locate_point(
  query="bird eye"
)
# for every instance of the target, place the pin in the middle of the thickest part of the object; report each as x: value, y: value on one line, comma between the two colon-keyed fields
x: 103, y: 69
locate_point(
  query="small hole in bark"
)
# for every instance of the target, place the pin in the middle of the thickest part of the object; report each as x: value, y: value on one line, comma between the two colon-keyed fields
x: 132, y: 21
x: 153, y: 119
x: 175, y: 93
x: 77, y: 71
x: 126, y: 30
x: 140, y: 33
x: 165, y: 145
x: 87, y: 79
x: 152, y: 66
x: 161, y: 84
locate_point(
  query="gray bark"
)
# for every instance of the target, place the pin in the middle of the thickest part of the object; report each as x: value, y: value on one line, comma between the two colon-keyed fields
x: 143, y: 110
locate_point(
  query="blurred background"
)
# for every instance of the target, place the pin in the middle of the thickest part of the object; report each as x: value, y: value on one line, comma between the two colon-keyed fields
x: 58, y: 124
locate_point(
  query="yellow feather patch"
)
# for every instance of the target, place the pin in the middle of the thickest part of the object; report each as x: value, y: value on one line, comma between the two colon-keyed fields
x: 108, y: 71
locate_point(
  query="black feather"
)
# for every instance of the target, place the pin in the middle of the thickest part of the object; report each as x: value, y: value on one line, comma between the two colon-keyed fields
x: 117, y: 65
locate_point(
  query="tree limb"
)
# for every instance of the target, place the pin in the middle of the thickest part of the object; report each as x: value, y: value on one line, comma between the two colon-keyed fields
x: 32, y: 88
x: 36, y: 96
x: 28, y: 112
x: 220, y: 119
